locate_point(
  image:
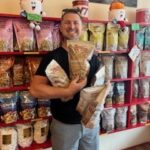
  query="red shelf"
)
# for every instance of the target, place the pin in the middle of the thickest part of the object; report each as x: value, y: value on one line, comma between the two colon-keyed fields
x: 118, y: 105
x: 14, y: 88
x: 24, y: 53
x: 19, y: 16
x: 35, y: 146
x: 112, y: 52
x: 139, y: 100
x: 141, y: 124
x: 128, y: 81
x: 127, y: 128
x: 20, y: 121
x: 120, y: 80
x: 144, y: 24
x: 143, y: 51
x: 141, y: 77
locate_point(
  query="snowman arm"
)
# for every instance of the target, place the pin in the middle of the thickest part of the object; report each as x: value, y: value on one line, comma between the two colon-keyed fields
x: 23, y: 13
x: 114, y: 21
x: 43, y: 14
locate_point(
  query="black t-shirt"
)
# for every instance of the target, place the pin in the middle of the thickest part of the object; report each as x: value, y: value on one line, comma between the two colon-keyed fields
x: 66, y: 111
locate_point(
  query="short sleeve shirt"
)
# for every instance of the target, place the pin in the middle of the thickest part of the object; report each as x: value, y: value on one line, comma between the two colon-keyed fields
x: 66, y: 111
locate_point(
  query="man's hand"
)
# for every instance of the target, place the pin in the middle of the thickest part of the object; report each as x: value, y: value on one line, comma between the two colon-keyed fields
x: 75, y: 86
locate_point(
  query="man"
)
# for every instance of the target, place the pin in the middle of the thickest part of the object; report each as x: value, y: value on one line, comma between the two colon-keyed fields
x: 67, y: 132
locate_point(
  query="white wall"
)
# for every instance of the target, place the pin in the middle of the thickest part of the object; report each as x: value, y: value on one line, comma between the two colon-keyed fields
x: 125, y: 139
x: 115, y: 141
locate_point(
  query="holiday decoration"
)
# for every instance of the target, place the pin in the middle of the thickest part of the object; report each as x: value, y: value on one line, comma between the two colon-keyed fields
x: 33, y: 11
x: 83, y: 6
x: 117, y: 13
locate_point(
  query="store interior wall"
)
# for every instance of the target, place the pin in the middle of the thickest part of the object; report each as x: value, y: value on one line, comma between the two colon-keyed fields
x: 115, y: 141
x: 53, y: 8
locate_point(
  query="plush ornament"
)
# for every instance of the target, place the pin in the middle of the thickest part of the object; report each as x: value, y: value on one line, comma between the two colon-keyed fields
x: 117, y: 13
x: 33, y: 11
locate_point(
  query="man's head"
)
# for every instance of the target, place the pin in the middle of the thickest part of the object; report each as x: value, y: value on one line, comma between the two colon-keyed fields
x: 71, y: 24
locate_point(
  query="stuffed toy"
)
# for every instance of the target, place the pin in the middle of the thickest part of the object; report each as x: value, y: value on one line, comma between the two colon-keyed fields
x: 117, y: 13
x: 33, y: 11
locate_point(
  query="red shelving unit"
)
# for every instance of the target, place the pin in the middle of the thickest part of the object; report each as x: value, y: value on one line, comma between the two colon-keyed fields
x: 14, y: 88
x: 129, y: 100
x: 36, y: 146
x: 24, y: 53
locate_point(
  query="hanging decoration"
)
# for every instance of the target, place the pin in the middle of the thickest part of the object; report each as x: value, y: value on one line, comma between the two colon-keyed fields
x: 33, y: 11
x: 117, y: 13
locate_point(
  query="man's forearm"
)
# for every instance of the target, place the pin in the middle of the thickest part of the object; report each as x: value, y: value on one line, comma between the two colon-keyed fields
x: 46, y: 91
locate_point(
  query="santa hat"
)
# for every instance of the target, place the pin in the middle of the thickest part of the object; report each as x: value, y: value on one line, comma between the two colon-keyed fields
x: 116, y: 4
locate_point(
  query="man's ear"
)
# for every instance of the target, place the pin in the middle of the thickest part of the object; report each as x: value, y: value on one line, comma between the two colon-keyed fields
x: 60, y: 29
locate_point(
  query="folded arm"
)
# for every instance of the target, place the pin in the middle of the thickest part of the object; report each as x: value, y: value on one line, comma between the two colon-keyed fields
x: 40, y: 88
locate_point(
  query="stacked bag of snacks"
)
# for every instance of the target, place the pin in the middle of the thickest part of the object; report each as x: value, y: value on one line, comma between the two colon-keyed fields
x: 23, y: 135
x: 21, y: 105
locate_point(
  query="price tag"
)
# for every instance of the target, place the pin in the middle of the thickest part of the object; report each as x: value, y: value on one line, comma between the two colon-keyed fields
x: 135, y: 26
x: 134, y: 53
x: 100, y: 75
x: 34, y: 17
x: 30, y: 53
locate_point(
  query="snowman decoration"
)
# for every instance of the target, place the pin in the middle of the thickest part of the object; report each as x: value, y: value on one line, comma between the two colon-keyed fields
x: 117, y: 14
x: 33, y: 11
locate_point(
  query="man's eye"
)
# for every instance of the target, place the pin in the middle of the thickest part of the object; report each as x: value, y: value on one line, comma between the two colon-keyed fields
x: 76, y: 22
x: 68, y: 23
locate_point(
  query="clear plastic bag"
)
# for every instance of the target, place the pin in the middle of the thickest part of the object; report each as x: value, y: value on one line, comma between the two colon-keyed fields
x: 25, y: 135
x: 6, y: 35
x: 8, y: 107
x: 24, y: 36
x: 27, y: 105
x: 44, y: 37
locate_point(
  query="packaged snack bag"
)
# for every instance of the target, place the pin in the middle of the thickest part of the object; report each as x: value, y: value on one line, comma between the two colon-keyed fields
x: 6, y: 35
x: 24, y: 35
x: 79, y: 54
x: 56, y: 75
x: 44, y: 37
x: 91, y: 109
x: 25, y: 134
x: 112, y: 37
x: 97, y: 34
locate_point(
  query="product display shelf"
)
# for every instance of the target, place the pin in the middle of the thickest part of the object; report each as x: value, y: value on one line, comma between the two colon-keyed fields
x: 127, y: 128
x: 36, y: 146
x: 136, y: 101
x: 18, y: 16
x: 128, y: 81
x: 129, y: 101
x: 14, y: 88
x: 112, y: 52
x: 24, y: 53
x: 20, y: 121
x: 117, y: 105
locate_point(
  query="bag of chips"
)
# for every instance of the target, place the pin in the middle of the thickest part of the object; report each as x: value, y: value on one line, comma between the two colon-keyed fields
x: 79, y: 54
x: 92, y: 108
x: 56, y: 75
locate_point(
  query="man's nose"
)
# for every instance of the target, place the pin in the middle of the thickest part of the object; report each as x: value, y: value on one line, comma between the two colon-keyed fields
x: 72, y: 25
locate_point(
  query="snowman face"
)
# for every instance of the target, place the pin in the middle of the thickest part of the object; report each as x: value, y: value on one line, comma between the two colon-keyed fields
x: 32, y: 6
x: 118, y: 14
